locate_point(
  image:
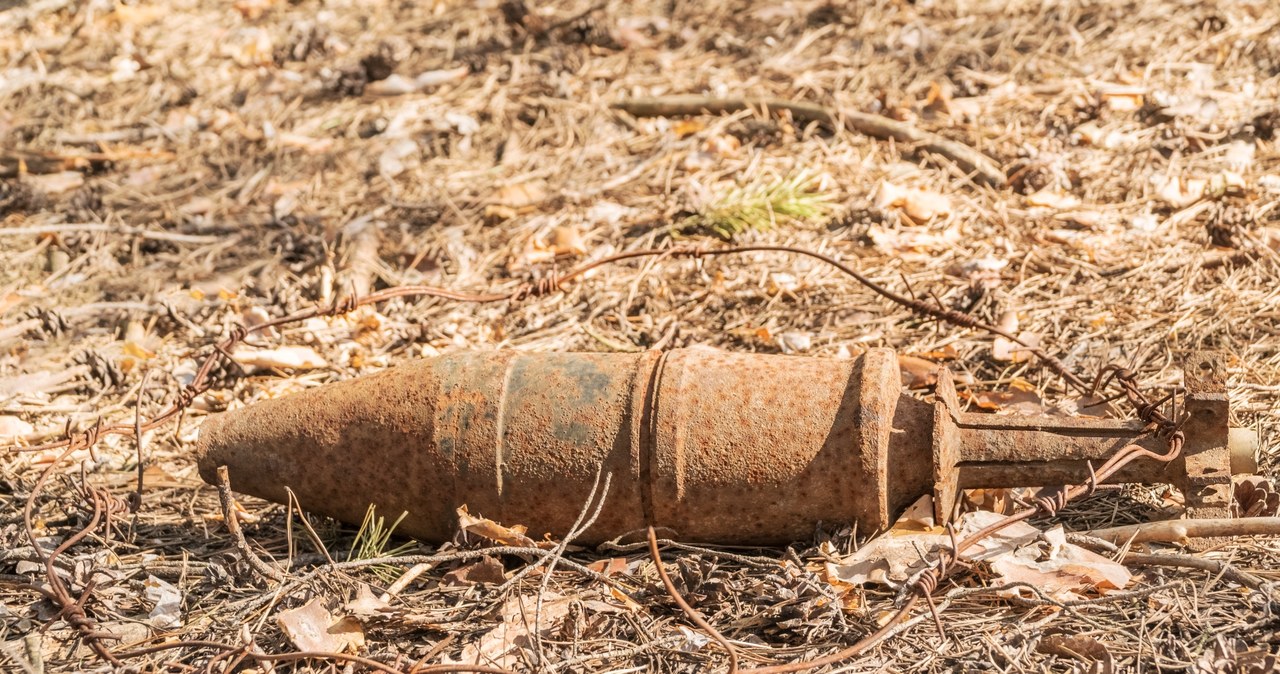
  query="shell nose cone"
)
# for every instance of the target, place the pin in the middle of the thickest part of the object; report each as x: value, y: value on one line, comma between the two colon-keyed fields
x: 209, y: 453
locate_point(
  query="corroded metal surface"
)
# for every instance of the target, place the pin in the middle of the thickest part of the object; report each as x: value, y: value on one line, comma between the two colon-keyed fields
x: 716, y: 446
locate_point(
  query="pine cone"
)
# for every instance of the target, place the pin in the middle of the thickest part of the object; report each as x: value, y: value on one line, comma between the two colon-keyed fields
x: 1256, y: 497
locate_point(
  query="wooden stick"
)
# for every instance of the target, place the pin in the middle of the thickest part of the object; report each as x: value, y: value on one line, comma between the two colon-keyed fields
x: 157, y: 235
x: 1213, y: 566
x: 233, y: 526
x: 1176, y: 531
x: 876, y: 126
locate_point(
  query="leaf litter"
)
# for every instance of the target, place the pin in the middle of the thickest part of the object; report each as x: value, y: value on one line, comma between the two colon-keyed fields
x: 181, y: 168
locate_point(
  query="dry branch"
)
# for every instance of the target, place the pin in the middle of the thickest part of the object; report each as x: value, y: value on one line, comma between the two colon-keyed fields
x: 232, y: 519
x: 876, y: 126
x: 1176, y: 531
x: 1215, y: 567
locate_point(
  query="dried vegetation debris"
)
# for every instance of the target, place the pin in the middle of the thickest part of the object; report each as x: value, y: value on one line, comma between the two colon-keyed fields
x: 167, y: 173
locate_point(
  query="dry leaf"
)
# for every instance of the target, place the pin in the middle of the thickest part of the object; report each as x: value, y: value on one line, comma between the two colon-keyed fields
x: 400, y: 156
x: 9, y: 301
x: 56, y: 183
x: 687, y: 127
x: 394, y: 84
x: 938, y: 99
x: 250, y: 48
x: 859, y: 572
x: 1077, y: 646
x: 1021, y: 397
x: 630, y: 36
x: 488, y: 529
x: 1006, y: 350
x: 197, y: 206
x: 919, y: 205
x: 434, y: 78
x: 965, y: 108
x: 1123, y: 99
x: 1084, y: 218
x: 294, y: 357
x: 782, y: 282
x: 494, y: 213
x: 138, y: 351
x: 138, y: 15
x: 1180, y: 193
x: 918, y: 516
x: 627, y: 602
x: 312, y: 628
x: 903, y: 242
x: 367, y: 604
x: 1067, y: 570
x: 1089, y: 133
x: 567, y: 240
x: 700, y: 161
x: 166, y: 602
x: 253, y: 9
x: 609, y: 567
x: 795, y: 341
x: 608, y: 213
x: 722, y: 145
x: 999, y: 500
x: 984, y: 272
x: 519, y: 195
x: 893, y: 556
x: 1053, y: 198
x: 487, y: 571
x: 13, y: 427
x: 947, y: 352
x: 918, y: 372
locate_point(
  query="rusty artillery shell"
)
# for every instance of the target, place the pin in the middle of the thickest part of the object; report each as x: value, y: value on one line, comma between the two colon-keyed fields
x: 716, y: 446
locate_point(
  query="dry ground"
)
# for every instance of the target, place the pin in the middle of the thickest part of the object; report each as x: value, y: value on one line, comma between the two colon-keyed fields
x: 189, y: 165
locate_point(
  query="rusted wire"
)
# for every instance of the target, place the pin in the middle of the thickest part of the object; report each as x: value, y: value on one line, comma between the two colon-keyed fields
x: 689, y: 611
x: 72, y: 609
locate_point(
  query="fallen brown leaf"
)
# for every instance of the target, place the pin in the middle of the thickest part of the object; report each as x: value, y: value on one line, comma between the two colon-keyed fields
x: 487, y: 571
x: 488, y: 529
x: 918, y: 372
x: 312, y: 628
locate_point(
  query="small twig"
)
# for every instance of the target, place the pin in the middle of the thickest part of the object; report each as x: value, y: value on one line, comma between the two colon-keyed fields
x: 619, y: 654
x: 1176, y: 531
x: 155, y: 235
x: 306, y: 526
x: 573, y: 18
x: 748, y: 560
x: 135, y: 499
x: 876, y: 126
x: 579, y: 526
x: 405, y: 578
x: 1228, y: 571
x: 233, y: 526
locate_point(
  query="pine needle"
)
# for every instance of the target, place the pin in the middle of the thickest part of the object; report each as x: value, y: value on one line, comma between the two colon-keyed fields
x: 762, y: 205
x: 372, y: 540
